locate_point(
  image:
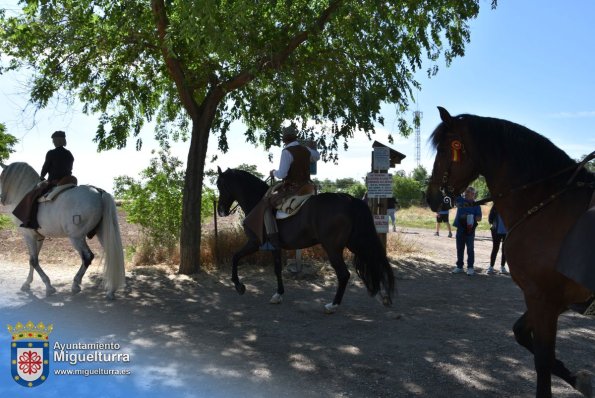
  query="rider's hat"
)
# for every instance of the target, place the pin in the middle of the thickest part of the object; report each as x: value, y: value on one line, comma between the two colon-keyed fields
x: 290, y: 132
x: 59, y: 134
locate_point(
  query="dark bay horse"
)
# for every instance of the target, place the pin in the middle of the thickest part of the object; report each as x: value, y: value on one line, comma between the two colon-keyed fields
x: 335, y: 221
x: 543, y: 197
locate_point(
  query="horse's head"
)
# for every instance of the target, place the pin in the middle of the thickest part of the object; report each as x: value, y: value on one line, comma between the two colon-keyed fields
x: 226, y: 198
x: 454, y: 167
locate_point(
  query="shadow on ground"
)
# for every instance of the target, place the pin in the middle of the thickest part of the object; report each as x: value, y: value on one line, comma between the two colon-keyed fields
x: 445, y: 336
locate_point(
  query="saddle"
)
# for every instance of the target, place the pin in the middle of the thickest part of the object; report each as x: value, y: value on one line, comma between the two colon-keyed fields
x: 577, y: 255
x: 291, y: 205
x: 64, y: 184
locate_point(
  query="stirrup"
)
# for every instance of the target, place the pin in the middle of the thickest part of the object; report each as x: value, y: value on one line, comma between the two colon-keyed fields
x: 267, y: 246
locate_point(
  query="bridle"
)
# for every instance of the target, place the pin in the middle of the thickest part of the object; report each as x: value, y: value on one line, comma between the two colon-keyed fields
x: 222, y: 186
x: 458, y: 150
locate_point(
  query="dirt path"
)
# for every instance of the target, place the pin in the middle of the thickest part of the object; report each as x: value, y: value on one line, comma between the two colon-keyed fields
x: 445, y: 336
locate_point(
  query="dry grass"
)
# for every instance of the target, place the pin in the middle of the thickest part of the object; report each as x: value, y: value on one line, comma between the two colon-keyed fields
x: 423, y: 217
x: 216, y: 253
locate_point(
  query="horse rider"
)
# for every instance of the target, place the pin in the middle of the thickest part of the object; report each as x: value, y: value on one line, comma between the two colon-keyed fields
x: 58, y: 166
x: 294, y: 171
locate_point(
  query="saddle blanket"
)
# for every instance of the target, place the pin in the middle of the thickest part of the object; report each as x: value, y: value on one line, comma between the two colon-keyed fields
x: 291, y: 205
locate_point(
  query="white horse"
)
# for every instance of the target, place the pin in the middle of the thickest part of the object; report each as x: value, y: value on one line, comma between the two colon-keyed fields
x: 75, y: 213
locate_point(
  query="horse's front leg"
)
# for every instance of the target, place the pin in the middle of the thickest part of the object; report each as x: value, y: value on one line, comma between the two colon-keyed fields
x: 343, y: 275
x: 278, y: 296
x: 581, y: 381
x: 543, y: 317
x: 27, y: 284
x: 250, y: 247
x: 34, y: 247
x: 87, y: 257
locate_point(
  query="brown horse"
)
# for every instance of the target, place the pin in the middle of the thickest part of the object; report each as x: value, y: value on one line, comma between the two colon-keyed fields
x: 335, y: 221
x: 541, y: 193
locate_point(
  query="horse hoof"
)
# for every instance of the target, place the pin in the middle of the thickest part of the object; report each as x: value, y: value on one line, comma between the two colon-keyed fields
x: 49, y: 291
x: 76, y: 289
x: 330, y: 308
x: 386, y: 301
x: 276, y: 299
x: 583, y: 383
x: 240, y: 288
x: 26, y: 287
x: 110, y: 296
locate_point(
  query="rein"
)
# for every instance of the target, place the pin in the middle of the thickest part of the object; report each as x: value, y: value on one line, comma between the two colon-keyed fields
x: 529, y: 185
x: 569, y: 185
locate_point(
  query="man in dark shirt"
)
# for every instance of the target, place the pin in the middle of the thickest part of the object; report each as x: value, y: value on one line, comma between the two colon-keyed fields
x: 58, y: 165
x: 58, y: 161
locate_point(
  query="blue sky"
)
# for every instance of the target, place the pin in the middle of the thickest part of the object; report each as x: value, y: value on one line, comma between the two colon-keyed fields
x: 528, y: 61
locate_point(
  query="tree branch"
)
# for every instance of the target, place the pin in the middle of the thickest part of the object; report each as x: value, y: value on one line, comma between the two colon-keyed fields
x: 278, y: 59
x: 173, y: 65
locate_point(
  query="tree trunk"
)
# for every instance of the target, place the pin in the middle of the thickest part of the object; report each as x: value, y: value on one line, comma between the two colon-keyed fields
x: 190, y: 236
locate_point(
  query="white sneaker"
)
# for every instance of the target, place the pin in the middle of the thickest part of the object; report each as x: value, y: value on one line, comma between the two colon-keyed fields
x: 457, y: 270
x: 503, y: 270
x: 491, y: 271
x: 470, y: 271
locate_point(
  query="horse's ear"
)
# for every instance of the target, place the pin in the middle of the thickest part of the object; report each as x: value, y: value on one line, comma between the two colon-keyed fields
x: 444, y: 115
x: 219, y: 170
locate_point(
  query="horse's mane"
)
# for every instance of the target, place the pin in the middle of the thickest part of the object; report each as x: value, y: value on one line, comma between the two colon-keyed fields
x: 247, y: 179
x: 523, y: 149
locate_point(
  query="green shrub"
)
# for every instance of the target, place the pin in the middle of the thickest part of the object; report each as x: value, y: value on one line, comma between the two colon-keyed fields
x: 407, y: 191
x: 155, y: 201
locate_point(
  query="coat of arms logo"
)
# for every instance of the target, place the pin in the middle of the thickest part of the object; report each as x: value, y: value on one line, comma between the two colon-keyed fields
x: 30, y: 353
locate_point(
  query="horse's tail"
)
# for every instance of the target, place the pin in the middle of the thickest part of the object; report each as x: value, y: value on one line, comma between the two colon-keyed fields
x: 371, y: 263
x: 108, y: 233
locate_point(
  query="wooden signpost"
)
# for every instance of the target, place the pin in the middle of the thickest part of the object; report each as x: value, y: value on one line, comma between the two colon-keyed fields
x: 379, y: 185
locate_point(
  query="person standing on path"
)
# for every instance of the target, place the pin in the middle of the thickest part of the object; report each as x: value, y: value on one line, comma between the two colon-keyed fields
x: 468, y: 215
x: 442, y: 217
x: 498, y: 231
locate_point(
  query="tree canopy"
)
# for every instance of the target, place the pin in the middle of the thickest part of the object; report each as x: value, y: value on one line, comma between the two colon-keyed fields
x: 194, y: 67
x: 7, y: 142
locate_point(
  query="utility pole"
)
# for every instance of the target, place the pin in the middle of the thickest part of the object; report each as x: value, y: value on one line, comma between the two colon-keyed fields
x: 417, y: 115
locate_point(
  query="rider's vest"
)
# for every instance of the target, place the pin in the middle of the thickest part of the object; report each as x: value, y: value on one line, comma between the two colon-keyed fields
x: 299, y: 171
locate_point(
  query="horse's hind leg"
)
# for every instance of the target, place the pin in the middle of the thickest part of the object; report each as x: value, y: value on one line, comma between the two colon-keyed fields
x: 278, y: 296
x: 523, y: 334
x: 87, y: 257
x: 34, y: 247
